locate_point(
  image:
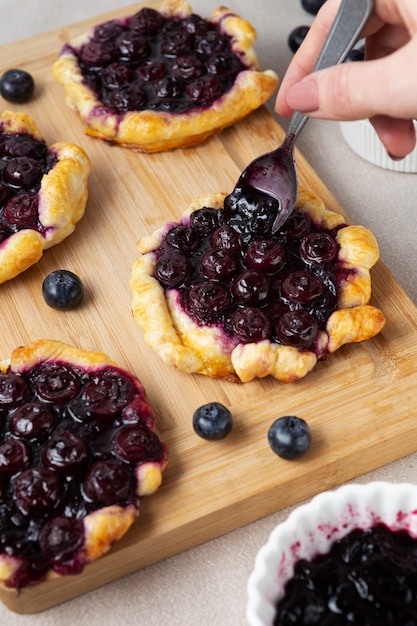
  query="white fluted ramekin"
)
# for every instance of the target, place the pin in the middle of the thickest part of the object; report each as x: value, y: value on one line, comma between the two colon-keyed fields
x: 362, y: 138
x: 312, y: 528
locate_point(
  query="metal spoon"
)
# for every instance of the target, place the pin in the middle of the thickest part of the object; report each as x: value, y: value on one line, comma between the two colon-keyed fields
x: 274, y: 174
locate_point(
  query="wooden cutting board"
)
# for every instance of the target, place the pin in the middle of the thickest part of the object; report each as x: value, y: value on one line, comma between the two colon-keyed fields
x: 359, y: 403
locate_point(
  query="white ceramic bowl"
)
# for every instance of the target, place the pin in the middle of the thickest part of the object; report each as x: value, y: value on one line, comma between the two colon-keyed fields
x: 363, y: 140
x: 313, y: 527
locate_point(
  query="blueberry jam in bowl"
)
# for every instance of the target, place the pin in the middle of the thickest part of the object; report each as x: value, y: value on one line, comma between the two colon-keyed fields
x: 349, y: 556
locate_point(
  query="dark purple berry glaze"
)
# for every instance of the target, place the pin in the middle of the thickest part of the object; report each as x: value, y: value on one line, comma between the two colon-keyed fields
x: 369, y: 577
x: 23, y: 162
x: 70, y: 441
x: 233, y: 269
x: 149, y: 61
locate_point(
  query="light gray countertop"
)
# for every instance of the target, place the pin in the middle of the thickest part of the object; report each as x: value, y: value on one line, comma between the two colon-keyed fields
x: 207, y: 585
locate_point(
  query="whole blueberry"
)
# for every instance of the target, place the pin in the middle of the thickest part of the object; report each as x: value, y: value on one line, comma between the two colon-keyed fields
x: 297, y: 36
x: 62, y: 290
x: 16, y: 86
x: 312, y: 6
x: 289, y: 437
x: 212, y: 421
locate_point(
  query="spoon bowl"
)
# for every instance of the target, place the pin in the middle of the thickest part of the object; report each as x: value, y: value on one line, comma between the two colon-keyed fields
x: 272, y: 177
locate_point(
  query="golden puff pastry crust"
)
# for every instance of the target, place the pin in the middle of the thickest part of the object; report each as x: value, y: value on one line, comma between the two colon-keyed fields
x: 59, y: 196
x: 192, y: 344
x: 80, y: 492
x: 153, y: 128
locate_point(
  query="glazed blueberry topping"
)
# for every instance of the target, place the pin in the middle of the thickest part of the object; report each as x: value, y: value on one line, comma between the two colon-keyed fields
x: 231, y: 269
x: 14, y: 455
x: 32, y: 421
x: 62, y: 290
x: 65, y: 452
x: 70, y: 440
x: 23, y: 162
x: 136, y: 444
x: 289, y: 437
x: 149, y: 61
x: 212, y: 421
x: 36, y: 490
x: 297, y: 328
x: 368, y: 577
x: 60, y: 539
x: 107, y: 482
x: 250, y: 324
x: 16, y: 86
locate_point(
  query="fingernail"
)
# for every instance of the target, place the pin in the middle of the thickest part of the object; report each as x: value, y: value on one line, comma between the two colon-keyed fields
x: 303, y: 96
x: 395, y: 158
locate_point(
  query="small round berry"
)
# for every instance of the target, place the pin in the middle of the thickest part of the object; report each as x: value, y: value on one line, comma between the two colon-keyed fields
x: 56, y: 383
x: 136, y: 444
x: 32, y: 421
x: 251, y: 288
x: 62, y: 290
x: 37, y: 490
x: 65, y: 453
x: 212, y: 421
x: 171, y: 270
x: 297, y: 329
x: 14, y: 456
x: 107, y: 482
x: 297, y: 36
x: 250, y: 324
x: 357, y: 54
x: 312, y: 6
x: 61, y: 538
x: 16, y: 86
x: 289, y: 437
x: 13, y: 390
x: 208, y: 299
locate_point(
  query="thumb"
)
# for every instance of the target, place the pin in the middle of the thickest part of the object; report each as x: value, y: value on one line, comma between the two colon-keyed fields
x: 361, y: 89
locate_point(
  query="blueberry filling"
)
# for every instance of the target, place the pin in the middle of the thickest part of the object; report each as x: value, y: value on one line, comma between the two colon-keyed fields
x: 149, y: 61
x: 369, y: 577
x: 23, y: 162
x: 231, y: 269
x: 69, y: 442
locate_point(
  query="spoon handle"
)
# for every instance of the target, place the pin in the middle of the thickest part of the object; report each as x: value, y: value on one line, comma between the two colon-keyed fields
x: 347, y: 26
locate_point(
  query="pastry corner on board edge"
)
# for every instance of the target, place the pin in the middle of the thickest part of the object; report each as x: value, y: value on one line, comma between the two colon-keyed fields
x: 78, y: 493
x: 43, y: 193
x: 163, y: 79
x: 218, y: 294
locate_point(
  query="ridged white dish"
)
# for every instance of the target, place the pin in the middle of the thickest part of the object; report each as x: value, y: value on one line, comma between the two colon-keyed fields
x: 362, y: 138
x: 313, y: 527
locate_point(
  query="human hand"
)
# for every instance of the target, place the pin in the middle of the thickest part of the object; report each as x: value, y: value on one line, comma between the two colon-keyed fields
x: 382, y: 88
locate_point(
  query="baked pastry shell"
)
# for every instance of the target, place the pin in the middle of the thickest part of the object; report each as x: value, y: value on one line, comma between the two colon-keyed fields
x: 154, y: 131
x: 104, y: 526
x: 62, y: 199
x: 193, y: 348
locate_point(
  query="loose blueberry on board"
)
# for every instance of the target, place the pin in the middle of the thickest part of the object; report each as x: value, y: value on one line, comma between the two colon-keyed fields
x: 62, y: 290
x: 289, y: 437
x: 312, y: 6
x: 16, y: 86
x: 212, y: 421
x: 297, y: 36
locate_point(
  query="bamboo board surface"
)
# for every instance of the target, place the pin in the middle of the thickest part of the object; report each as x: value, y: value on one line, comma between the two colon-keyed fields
x: 350, y: 400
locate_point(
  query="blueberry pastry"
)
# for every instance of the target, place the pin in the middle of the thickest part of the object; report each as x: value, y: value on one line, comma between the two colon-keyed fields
x: 43, y: 192
x: 158, y: 80
x: 222, y: 293
x: 78, y: 451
